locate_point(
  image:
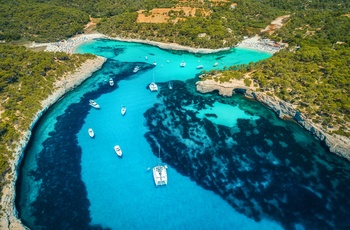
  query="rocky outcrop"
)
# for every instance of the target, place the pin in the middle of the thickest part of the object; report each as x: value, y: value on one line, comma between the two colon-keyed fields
x: 339, y: 145
x: 224, y: 89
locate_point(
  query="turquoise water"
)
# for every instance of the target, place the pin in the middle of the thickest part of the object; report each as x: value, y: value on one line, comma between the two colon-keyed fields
x: 231, y: 163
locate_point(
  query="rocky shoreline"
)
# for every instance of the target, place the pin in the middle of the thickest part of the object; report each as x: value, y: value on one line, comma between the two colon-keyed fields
x: 337, y: 144
x: 9, y: 218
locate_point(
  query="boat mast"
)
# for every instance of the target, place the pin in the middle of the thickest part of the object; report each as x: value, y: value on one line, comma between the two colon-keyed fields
x: 159, y: 155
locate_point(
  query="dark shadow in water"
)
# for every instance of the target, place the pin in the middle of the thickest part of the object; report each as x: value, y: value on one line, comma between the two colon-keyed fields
x: 62, y: 201
x: 258, y: 168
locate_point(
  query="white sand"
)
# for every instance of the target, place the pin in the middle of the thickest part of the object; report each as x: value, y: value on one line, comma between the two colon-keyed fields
x: 9, y: 219
x: 259, y: 44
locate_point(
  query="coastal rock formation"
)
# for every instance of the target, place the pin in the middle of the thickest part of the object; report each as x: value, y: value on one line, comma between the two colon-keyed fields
x: 337, y: 144
x: 9, y: 219
x: 224, y: 89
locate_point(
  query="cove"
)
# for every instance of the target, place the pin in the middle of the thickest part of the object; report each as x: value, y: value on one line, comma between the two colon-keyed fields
x: 232, y: 164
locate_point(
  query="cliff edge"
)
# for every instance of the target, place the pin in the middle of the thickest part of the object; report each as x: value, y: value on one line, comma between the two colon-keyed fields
x: 337, y: 144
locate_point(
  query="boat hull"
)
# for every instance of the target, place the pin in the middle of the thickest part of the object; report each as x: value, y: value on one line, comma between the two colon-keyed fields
x: 123, y: 110
x: 118, y: 150
x: 153, y: 87
x: 160, y: 175
x: 91, y: 133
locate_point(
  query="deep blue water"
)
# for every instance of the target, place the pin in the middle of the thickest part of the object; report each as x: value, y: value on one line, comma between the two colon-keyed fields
x: 232, y: 164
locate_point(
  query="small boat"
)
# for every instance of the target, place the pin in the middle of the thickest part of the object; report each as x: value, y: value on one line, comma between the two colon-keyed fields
x: 146, y: 57
x: 153, y: 86
x: 154, y: 63
x: 118, y: 150
x: 216, y: 64
x: 123, y: 110
x: 136, y: 69
x: 200, y: 67
x: 91, y: 132
x: 182, y: 64
x: 170, y: 85
x: 160, y: 175
x: 111, y: 82
x: 94, y: 104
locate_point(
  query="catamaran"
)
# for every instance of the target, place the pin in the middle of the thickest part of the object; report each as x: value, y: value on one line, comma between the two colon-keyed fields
x: 153, y: 86
x: 160, y: 175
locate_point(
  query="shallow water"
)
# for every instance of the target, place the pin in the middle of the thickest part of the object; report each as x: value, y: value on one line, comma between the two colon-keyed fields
x: 232, y: 164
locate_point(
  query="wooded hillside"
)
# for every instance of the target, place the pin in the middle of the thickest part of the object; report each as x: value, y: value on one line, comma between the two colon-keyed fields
x: 313, y: 73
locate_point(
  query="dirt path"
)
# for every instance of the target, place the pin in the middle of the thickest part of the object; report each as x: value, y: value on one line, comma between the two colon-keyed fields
x: 275, y: 24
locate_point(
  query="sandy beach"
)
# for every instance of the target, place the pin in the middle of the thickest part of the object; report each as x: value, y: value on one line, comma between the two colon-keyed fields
x: 69, y: 46
x: 259, y: 44
x: 10, y: 220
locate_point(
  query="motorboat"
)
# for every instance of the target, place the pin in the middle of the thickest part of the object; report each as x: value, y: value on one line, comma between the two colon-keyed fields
x: 136, y: 69
x: 118, y: 150
x: 160, y: 175
x: 153, y: 86
x: 91, y: 132
x: 200, y: 67
x: 123, y: 110
x: 94, y: 104
x: 182, y: 64
x: 154, y: 63
x: 216, y: 64
x: 111, y: 82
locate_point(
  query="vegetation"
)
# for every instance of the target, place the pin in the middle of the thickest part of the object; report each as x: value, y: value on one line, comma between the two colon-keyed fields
x: 313, y: 74
x: 26, y: 79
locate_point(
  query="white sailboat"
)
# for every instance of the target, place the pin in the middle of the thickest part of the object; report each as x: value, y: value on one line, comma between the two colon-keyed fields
x: 160, y: 175
x: 153, y: 86
x: 170, y: 85
x: 111, y: 82
x: 182, y: 63
x: 136, y: 69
